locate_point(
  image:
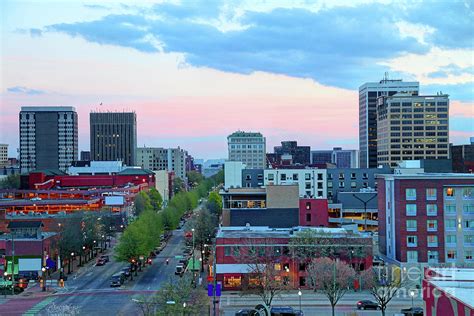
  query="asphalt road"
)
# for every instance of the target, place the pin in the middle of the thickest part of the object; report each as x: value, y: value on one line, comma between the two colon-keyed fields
x: 90, y: 290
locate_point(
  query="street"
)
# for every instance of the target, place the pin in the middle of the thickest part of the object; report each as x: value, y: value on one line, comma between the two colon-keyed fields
x: 90, y: 290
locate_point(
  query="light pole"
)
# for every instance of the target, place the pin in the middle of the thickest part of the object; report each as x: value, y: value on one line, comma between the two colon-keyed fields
x: 5, y: 275
x: 365, y: 206
x: 43, y: 270
x: 184, y: 308
x: 202, y: 261
x: 412, y: 294
x: 69, y: 270
x: 299, y: 296
x: 194, y: 263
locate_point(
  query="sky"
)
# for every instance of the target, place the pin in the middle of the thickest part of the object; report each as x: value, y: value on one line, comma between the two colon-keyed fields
x: 196, y: 71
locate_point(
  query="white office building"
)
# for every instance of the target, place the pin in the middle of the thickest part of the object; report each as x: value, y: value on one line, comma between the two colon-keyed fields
x: 249, y: 148
x: 312, y: 183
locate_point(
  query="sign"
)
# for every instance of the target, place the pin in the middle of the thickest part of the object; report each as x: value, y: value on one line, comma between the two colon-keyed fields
x: 210, y: 289
x: 178, y: 257
x: 210, y: 278
x: 50, y: 263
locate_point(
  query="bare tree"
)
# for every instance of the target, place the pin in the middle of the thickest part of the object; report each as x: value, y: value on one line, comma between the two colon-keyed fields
x: 383, y: 284
x: 266, y: 274
x: 333, y: 278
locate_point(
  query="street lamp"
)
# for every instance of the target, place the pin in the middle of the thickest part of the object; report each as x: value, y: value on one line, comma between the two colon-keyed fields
x: 43, y: 269
x: 412, y: 294
x: 194, y: 262
x: 184, y: 308
x: 69, y: 270
x: 299, y: 296
x: 5, y: 274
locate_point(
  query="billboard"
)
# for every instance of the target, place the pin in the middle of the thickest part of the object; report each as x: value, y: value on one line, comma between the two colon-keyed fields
x: 114, y: 200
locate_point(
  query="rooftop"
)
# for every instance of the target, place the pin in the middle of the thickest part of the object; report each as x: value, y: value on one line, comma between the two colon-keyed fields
x: 10, y: 202
x: 41, y: 108
x: 456, y: 282
x: 25, y: 224
x: 434, y: 176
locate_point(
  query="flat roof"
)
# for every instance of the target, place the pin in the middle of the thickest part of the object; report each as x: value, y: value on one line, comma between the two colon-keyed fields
x: 267, y: 232
x: 6, y: 203
x: 456, y: 282
x: 48, y: 108
x: 444, y: 176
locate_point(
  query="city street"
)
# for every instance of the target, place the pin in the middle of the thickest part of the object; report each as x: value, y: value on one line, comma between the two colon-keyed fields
x: 90, y: 290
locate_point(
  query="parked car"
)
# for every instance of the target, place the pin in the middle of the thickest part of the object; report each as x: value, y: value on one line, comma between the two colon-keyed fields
x: 412, y: 311
x: 246, y: 312
x: 366, y: 304
x: 152, y: 255
x: 179, y: 269
x: 100, y: 262
x: 105, y: 258
x: 285, y: 311
x: 117, y: 279
x: 126, y: 271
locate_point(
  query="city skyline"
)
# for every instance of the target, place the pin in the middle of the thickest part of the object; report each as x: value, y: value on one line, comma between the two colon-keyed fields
x: 195, y: 74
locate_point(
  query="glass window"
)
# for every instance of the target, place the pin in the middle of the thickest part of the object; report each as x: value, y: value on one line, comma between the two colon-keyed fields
x: 432, y: 225
x: 450, y: 224
x: 226, y: 251
x: 431, y: 194
x: 469, y: 239
x: 468, y: 254
x: 451, y: 255
x: 450, y: 192
x: 411, y: 241
x: 433, y: 256
x: 467, y: 193
x: 431, y: 209
x: 468, y: 209
x: 410, y: 209
x: 411, y: 225
x: 320, y: 176
x: 307, y: 176
x: 295, y: 176
x: 410, y: 194
x: 451, y: 239
x: 308, y: 205
x: 308, y: 217
x: 432, y: 241
x: 270, y: 177
x: 277, y: 251
x: 450, y: 209
x: 283, y: 177
x: 469, y: 224
x: 412, y: 256
x: 353, y: 184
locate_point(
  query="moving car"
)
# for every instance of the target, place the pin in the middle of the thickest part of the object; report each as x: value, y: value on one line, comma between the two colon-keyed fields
x: 179, y: 269
x: 105, y: 258
x: 100, y: 262
x: 126, y: 271
x: 246, y: 312
x: 366, y: 304
x: 412, y: 311
x: 117, y: 279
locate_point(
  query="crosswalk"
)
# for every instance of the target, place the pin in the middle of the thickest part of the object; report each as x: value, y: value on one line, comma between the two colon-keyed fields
x: 38, y: 307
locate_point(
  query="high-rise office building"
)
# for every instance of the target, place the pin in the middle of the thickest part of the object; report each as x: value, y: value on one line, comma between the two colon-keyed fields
x: 247, y: 147
x: 463, y: 157
x: 48, y: 137
x: 170, y: 159
x: 342, y: 158
x: 368, y: 94
x: 85, y: 155
x: 114, y: 136
x: 3, y: 155
x: 289, y: 150
x: 412, y: 127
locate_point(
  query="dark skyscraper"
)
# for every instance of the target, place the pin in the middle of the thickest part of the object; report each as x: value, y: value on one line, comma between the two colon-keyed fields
x: 368, y: 94
x: 114, y: 136
x: 48, y: 137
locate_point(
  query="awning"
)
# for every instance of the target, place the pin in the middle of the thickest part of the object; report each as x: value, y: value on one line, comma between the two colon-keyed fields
x: 194, y: 265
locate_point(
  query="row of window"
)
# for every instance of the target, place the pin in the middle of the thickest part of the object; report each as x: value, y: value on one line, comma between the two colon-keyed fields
x: 467, y: 193
x: 284, y: 176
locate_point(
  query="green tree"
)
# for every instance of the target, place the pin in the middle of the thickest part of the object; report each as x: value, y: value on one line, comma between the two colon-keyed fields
x: 155, y: 199
x: 131, y: 245
x: 194, y: 178
x: 142, y: 203
x: 178, y: 185
x: 214, y: 203
x: 10, y: 182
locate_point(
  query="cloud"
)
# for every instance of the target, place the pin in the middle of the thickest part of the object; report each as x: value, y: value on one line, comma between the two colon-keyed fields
x: 96, y: 7
x: 25, y: 90
x: 36, y: 32
x: 462, y: 92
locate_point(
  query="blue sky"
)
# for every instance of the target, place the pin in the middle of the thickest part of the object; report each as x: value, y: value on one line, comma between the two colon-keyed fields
x: 324, y: 49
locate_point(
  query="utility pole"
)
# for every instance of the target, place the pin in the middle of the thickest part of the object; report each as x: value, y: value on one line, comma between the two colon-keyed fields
x: 365, y: 202
x: 13, y: 264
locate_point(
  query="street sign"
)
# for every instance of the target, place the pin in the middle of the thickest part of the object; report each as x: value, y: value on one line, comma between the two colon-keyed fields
x: 178, y: 257
x: 210, y: 289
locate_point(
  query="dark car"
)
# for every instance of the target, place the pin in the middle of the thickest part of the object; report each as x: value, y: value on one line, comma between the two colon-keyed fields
x: 126, y: 271
x: 100, y: 262
x: 105, y: 258
x: 285, y: 311
x: 412, y: 311
x: 246, y: 312
x: 117, y: 279
x: 366, y: 304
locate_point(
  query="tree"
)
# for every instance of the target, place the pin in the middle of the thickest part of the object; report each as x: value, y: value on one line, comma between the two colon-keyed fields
x: 330, y: 277
x: 214, y: 203
x: 179, y: 292
x: 178, y: 185
x: 142, y: 203
x: 70, y: 238
x: 265, y: 275
x: 155, y: 199
x: 194, y: 178
x: 131, y: 244
x: 383, y: 284
x: 10, y: 182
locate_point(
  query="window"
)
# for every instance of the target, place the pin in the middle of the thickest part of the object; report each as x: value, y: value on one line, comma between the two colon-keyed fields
x: 412, y: 256
x: 410, y: 194
x: 283, y: 177
x: 431, y: 194
x: 468, y: 239
x: 235, y: 251
x: 353, y: 184
x: 226, y: 251
x: 469, y: 224
x: 432, y: 241
x: 232, y: 281
x: 467, y: 193
x: 307, y: 176
x: 341, y: 176
x: 277, y: 266
x: 308, y: 217
x: 271, y: 177
x: 449, y: 192
x: 468, y: 254
x: 410, y: 209
x: 330, y: 184
x: 451, y: 255
x: 411, y: 225
x: 307, y: 185
x: 468, y: 209
x: 432, y: 225
x: 431, y: 209
x: 450, y: 224
x: 353, y: 176
x: 295, y: 176
x: 451, y: 239
x: 320, y: 176
x: 433, y: 256
x: 450, y: 209
x: 308, y: 205
x: 341, y: 184
x: 261, y: 251
x: 411, y: 241
x: 277, y: 251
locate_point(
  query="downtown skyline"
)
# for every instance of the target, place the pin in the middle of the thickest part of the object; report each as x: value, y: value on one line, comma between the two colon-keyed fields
x: 194, y: 74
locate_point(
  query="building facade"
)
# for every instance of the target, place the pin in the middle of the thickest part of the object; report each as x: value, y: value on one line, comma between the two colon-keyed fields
x: 247, y: 147
x: 368, y: 94
x: 48, y: 137
x: 85, y: 155
x: 289, y: 150
x: 462, y: 157
x: 157, y: 158
x: 426, y: 217
x: 412, y: 127
x: 4, y: 155
x: 342, y: 158
x: 312, y: 183
x: 113, y: 136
